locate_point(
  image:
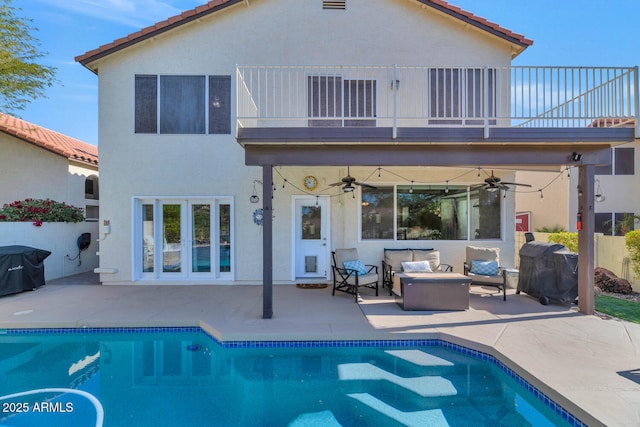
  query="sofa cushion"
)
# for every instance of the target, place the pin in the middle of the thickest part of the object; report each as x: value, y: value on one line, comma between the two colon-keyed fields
x: 394, y: 258
x: 343, y: 255
x: 483, y: 254
x: 431, y: 256
x: 416, y: 267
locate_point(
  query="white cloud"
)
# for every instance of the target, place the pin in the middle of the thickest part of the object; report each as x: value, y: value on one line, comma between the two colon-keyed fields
x: 133, y: 13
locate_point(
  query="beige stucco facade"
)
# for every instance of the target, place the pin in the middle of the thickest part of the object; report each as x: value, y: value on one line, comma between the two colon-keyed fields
x: 548, y: 208
x: 293, y: 32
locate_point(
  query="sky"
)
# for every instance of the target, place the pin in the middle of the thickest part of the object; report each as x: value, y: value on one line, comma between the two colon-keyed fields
x: 565, y: 33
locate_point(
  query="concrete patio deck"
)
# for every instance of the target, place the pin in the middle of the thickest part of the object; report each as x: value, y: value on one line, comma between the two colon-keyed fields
x: 587, y: 364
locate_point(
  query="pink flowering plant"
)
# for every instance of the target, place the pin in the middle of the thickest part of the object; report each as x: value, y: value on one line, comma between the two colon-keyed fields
x: 39, y: 211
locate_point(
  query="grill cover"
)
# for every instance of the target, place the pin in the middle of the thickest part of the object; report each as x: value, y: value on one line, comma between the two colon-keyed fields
x: 21, y: 268
x: 548, y: 270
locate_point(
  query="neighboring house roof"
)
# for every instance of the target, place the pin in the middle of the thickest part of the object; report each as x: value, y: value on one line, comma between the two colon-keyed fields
x: 215, y: 5
x: 55, y: 142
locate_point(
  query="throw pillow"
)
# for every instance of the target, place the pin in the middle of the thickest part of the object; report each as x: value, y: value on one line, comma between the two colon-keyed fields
x: 416, y: 267
x: 484, y: 268
x: 356, y: 265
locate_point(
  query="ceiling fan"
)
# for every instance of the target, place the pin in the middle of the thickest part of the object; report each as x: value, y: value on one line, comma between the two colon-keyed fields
x: 494, y: 183
x: 348, y: 183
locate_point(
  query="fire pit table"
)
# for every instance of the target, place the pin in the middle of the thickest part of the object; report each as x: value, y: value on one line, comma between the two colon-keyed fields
x: 433, y: 291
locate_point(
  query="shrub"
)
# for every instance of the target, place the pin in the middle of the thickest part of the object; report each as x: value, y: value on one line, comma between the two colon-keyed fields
x: 39, y: 211
x: 569, y: 239
x: 632, y: 241
x: 554, y: 229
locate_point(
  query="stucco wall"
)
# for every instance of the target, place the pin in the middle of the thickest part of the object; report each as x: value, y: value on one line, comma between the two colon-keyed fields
x: 31, y: 172
x: 552, y: 209
x: 265, y: 32
x: 58, y: 238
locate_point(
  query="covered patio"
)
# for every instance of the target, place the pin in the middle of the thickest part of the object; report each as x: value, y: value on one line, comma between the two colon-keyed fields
x: 513, y: 118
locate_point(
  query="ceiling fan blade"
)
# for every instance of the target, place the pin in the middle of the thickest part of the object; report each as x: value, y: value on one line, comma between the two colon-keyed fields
x: 335, y: 184
x: 515, y: 183
x: 477, y: 186
x: 362, y: 184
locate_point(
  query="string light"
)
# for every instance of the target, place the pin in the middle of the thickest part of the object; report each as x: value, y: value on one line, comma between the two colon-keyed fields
x: 411, y: 181
x: 446, y: 189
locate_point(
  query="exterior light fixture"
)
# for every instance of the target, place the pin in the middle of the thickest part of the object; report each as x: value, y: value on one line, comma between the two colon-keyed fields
x: 576, y: 157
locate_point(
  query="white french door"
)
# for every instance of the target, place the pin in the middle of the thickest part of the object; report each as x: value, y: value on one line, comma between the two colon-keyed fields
x: 311, y: 237
x: 178, y: 239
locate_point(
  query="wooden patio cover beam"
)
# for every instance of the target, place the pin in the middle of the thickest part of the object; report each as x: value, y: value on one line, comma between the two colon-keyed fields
x: 472, y: 155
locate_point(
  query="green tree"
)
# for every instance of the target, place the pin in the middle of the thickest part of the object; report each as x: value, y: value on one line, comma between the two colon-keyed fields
x: 22, y: 78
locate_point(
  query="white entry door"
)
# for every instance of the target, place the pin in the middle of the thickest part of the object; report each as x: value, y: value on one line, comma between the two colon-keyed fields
x: 311, y: 237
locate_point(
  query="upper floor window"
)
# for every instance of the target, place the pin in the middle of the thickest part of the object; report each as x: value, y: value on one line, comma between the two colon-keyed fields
x: 182, y: 104
x: 430, y: 212
x: 91, y: 190
x: 622, y: 162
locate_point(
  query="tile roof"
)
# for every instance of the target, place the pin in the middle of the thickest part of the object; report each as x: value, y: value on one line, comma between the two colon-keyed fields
x: 55, y: 142
x: 215, y: 5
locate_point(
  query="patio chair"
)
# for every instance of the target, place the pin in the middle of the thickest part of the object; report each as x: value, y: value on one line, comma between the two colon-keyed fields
x: 350, y: 273
x: 482, y: 265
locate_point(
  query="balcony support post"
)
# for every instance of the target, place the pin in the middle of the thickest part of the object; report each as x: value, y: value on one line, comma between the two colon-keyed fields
x: 586, y: 250
x: 394, y: 85
x: 267, y: 242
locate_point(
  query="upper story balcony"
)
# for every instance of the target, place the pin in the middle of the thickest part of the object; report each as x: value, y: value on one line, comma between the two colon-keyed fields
x: 378, y: 104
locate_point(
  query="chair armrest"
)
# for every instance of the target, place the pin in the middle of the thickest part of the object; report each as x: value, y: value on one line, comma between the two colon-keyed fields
x: 445, y: 268
x: 371, y: 268
x: 467, y: 267
x: 345, y: 272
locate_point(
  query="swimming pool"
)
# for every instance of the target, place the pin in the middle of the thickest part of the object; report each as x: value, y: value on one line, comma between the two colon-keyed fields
x: 182, y: 376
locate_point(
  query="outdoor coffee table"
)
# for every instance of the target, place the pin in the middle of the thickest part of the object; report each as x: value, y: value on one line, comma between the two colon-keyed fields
x: 433, y: 291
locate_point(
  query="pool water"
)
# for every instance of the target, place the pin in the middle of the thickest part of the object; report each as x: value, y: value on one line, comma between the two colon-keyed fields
x: 186, y: 378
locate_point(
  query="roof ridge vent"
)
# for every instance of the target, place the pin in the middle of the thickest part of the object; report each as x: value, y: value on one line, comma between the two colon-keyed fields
x: 336, y: 5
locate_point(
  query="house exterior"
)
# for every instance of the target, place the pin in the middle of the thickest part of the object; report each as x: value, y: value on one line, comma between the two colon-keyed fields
x: 244, y: 121
x: 39, y: 163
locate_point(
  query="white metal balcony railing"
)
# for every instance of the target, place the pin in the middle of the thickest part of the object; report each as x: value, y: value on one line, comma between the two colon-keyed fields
x: 415, y: 96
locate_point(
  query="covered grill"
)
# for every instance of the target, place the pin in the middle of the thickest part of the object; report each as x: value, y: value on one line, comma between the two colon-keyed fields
x: 549, y: 272
x: 21, y: 268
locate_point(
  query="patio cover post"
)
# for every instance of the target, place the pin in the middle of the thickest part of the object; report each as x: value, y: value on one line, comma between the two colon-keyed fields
x: 586, y: 296
x: 267, y: 242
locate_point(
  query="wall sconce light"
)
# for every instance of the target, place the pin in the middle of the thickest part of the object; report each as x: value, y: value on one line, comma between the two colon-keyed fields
x: 576, y: 157
x: 397, y: 84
